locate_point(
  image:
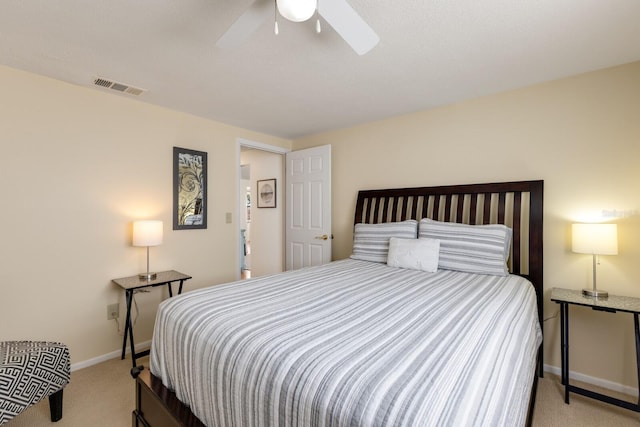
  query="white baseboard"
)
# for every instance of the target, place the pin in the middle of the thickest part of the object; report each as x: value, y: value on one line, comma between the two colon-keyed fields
x: 599, y: 382
x: 86, y: 363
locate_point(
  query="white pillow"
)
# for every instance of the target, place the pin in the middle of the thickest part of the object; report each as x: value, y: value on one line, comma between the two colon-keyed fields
x: 371, y: 241
x: 482, y: 249
x: 414, y: 254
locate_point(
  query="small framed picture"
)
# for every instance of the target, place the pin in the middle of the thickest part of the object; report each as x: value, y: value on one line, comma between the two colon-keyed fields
x: 267, y: 193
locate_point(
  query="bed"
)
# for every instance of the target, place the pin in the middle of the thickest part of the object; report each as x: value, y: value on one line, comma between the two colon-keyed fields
x: 365, y: 342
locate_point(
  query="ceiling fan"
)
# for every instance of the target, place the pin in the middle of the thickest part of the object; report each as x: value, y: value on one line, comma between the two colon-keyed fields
x: 338, y: 13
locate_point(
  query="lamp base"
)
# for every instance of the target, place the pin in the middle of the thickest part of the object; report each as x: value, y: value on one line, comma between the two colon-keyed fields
x: 595, y: 293
x: 147, y: 276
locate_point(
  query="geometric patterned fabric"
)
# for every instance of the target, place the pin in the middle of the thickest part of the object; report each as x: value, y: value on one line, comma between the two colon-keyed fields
x: 29, y: 372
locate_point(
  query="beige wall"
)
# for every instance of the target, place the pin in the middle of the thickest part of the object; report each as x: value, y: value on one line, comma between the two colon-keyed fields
x: 267, y: 224
x: 78, y: 166
x: 580, y: 134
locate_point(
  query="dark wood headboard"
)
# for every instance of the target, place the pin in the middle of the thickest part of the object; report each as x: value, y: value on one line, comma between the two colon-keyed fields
x: 518, y: 205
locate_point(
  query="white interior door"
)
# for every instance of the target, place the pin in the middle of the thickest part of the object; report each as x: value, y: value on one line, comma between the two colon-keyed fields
x: 308, y: 204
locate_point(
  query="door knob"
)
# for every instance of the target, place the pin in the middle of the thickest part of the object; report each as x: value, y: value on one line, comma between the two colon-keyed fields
x: 323, y: 237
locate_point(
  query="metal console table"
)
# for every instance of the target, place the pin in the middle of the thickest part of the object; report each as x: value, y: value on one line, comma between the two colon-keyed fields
x: 612, y: 304
x: 133, y: 283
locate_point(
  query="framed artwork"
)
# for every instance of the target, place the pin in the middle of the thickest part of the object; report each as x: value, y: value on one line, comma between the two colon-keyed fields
x: 189, y: 189
x: 267, y: 193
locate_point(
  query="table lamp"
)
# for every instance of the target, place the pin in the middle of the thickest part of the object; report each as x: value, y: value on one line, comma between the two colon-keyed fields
x: 594, y: 239
x: 147, y: 233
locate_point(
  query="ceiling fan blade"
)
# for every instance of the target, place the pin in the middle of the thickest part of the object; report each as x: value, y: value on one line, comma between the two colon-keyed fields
x: 346, y: 21
x: 246, y: 24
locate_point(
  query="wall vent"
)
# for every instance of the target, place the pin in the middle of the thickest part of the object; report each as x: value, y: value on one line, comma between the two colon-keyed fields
x: 119, y: 87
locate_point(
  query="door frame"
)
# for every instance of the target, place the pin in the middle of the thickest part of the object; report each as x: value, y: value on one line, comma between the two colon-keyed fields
x: 242, y: 142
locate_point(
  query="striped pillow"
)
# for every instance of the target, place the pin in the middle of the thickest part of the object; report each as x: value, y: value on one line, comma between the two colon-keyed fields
x: 482, y: 249
x: 371, y: 241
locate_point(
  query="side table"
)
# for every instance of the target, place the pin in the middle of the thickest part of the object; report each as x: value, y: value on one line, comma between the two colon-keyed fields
x: 130, y: 285
x: 612, y: 304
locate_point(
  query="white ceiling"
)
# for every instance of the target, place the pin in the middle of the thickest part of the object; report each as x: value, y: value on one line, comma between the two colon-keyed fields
x: 431, y: 53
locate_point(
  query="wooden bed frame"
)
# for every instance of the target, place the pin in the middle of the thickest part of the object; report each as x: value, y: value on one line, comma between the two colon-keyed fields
x: 518, y: 205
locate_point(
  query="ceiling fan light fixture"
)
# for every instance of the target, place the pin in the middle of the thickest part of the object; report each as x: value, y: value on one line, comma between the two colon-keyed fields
x: 297, y: 10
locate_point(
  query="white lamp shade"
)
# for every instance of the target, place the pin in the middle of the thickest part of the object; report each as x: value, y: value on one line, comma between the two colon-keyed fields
x: 598, y: 239
x: 297, y: 10
x: 147, y: 233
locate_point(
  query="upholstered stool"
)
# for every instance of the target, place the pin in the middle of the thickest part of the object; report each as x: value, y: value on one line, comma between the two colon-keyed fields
x: 29, y: 372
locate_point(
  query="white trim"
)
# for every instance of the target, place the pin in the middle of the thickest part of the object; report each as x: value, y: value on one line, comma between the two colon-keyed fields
x: 261, y: 146
x: 118, y: 353
x: 609, y: 385
x: 241, y: 142
x: 599, y: 382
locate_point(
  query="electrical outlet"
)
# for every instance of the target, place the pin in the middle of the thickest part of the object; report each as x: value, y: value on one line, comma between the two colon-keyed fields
x: 113, y: 311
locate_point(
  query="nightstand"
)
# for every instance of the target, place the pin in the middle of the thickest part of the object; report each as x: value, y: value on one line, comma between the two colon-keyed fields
x: 612, y: 304
x: 131, y: 285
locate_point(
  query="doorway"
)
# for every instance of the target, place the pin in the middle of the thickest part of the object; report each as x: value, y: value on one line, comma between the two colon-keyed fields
x: 260, y: 229
x: 245, y: 220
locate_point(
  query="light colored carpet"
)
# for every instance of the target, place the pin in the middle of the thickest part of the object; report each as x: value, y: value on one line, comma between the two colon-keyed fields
x: 104, y: 396
x: 551, y: 411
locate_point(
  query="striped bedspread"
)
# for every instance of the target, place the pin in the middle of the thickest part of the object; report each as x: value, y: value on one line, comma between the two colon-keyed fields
x: 352, y: 343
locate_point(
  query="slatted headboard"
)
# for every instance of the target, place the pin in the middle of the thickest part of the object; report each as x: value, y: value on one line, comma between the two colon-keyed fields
x: 518, y: 205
